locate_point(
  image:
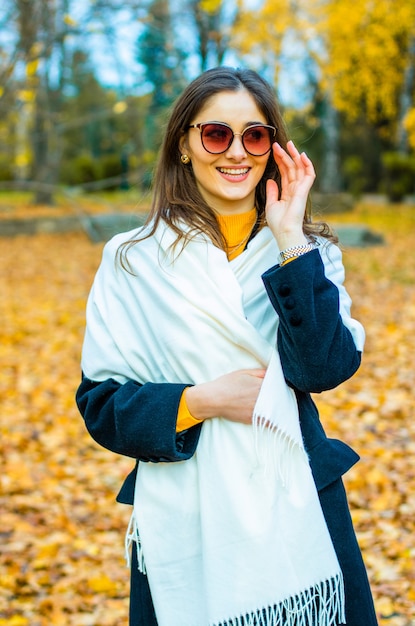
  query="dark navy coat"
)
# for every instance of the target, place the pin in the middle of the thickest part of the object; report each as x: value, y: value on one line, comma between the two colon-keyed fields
x: 317, y: 353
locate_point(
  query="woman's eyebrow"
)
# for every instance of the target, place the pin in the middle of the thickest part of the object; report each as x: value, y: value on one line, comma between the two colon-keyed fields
x: 254, y: 122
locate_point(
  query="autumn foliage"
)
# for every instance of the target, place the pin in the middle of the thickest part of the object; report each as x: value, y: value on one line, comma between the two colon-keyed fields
x: 61, y: 559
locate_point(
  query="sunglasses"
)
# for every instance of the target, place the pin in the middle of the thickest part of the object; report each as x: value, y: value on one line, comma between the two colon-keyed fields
x: 217, y: 137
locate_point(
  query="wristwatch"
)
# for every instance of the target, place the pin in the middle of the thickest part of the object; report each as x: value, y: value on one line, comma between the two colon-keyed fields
x: 292, y: 253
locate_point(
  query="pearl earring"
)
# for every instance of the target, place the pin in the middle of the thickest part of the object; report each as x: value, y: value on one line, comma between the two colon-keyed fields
x: 185, y: 159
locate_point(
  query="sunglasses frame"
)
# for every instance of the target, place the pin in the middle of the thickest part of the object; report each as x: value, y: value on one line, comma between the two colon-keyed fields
x: 201, y: 126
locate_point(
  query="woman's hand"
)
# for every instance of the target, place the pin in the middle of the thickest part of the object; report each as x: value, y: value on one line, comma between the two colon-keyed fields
x: 231, y: 396
x: 285, y: 214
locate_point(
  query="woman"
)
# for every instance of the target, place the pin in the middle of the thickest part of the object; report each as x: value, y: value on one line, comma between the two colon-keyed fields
x: 207, y: 331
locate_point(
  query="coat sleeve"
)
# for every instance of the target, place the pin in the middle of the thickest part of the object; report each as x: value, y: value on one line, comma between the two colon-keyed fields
x: 132, y: 416
x: 320, y: 344
x: 136, y: 420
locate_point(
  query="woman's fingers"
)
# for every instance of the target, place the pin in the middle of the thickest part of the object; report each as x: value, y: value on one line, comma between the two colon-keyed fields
x: 292, y: 164
x: 273, y: 192
x: 286, y: 206
x: 231, y: 396
x: 296, y: 170
x: 283, y: 161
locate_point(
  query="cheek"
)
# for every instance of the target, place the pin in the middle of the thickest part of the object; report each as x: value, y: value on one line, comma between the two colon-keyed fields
x: 193, y: 145
x: 203, y: 165
x: 262, y: 167
x: 205, y: 177
x: 260, y: 170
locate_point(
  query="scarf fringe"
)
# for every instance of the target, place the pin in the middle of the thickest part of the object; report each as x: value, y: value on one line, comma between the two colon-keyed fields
x: 274, y: 449
x: 321, y: 605
x: 131, y: 535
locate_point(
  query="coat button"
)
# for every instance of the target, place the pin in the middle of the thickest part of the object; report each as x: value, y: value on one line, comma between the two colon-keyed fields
x: 284, y: 290
x: 289, y: 303
x: 295, y: 319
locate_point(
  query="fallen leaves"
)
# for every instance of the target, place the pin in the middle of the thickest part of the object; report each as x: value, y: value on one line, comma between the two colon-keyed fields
x: 374, y: 411
x: 61, y: 535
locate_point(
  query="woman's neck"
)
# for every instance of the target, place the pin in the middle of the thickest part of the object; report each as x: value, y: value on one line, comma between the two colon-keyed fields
x: 236, y: 229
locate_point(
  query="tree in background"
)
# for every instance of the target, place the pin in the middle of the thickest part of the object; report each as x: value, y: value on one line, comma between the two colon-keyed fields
x: 38, y: 31
x: 211, y: 23
x: 355, y: 100
x: 40, y: 73
x: 268, y: 36
x: 369, y: 60
x: 370, y: 66
x: 259, y: 34
x: 162, y: 62
x: 101, y: 135
x: 363, y: 59
x: 42, y: 30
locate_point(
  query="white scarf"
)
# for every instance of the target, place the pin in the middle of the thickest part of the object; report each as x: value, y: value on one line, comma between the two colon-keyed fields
x: 234, y: 536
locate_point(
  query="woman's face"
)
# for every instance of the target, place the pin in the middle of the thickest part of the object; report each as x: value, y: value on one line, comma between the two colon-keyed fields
x: 227, y: 181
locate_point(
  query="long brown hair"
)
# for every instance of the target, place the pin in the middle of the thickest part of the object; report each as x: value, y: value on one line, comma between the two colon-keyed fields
x: 176, y: 197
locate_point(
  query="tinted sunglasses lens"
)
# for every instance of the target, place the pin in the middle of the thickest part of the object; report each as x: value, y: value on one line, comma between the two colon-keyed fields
x: 216, y: 138
x: 258, y: 140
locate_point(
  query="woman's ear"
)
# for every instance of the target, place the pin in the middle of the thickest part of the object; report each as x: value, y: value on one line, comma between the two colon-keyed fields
x: 184, y: 145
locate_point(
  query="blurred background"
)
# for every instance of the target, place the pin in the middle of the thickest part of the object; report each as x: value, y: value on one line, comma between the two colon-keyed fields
x: 85, y: 85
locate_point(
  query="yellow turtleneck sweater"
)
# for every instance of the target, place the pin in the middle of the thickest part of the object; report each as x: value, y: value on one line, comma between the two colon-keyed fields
x: 236, y: 229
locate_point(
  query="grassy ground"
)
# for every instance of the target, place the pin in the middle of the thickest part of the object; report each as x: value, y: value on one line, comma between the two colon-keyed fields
x: 61, y: 559
x: 19, y: 204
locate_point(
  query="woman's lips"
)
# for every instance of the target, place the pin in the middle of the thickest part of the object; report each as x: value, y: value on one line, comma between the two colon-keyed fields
x: 234, y: 174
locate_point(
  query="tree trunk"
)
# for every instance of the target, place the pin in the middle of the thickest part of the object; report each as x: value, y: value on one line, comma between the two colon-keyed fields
x: 330, y: 179
x: 212, y: 42
x: 41, y: 149
x: 406, y: 99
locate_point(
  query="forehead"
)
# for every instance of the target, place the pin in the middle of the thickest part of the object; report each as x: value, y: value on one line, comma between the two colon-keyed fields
x: 231, y: 107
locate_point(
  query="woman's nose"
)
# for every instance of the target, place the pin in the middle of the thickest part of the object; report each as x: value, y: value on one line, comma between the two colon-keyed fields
x: 236, y: 150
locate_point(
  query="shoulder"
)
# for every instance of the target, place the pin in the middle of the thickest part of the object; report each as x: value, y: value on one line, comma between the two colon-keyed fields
x: 112, y: 246
x: 127, y: 250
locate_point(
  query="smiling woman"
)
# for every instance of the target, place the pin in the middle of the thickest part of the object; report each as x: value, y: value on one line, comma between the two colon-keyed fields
x: 207, y: 331
x: 226, y: 172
